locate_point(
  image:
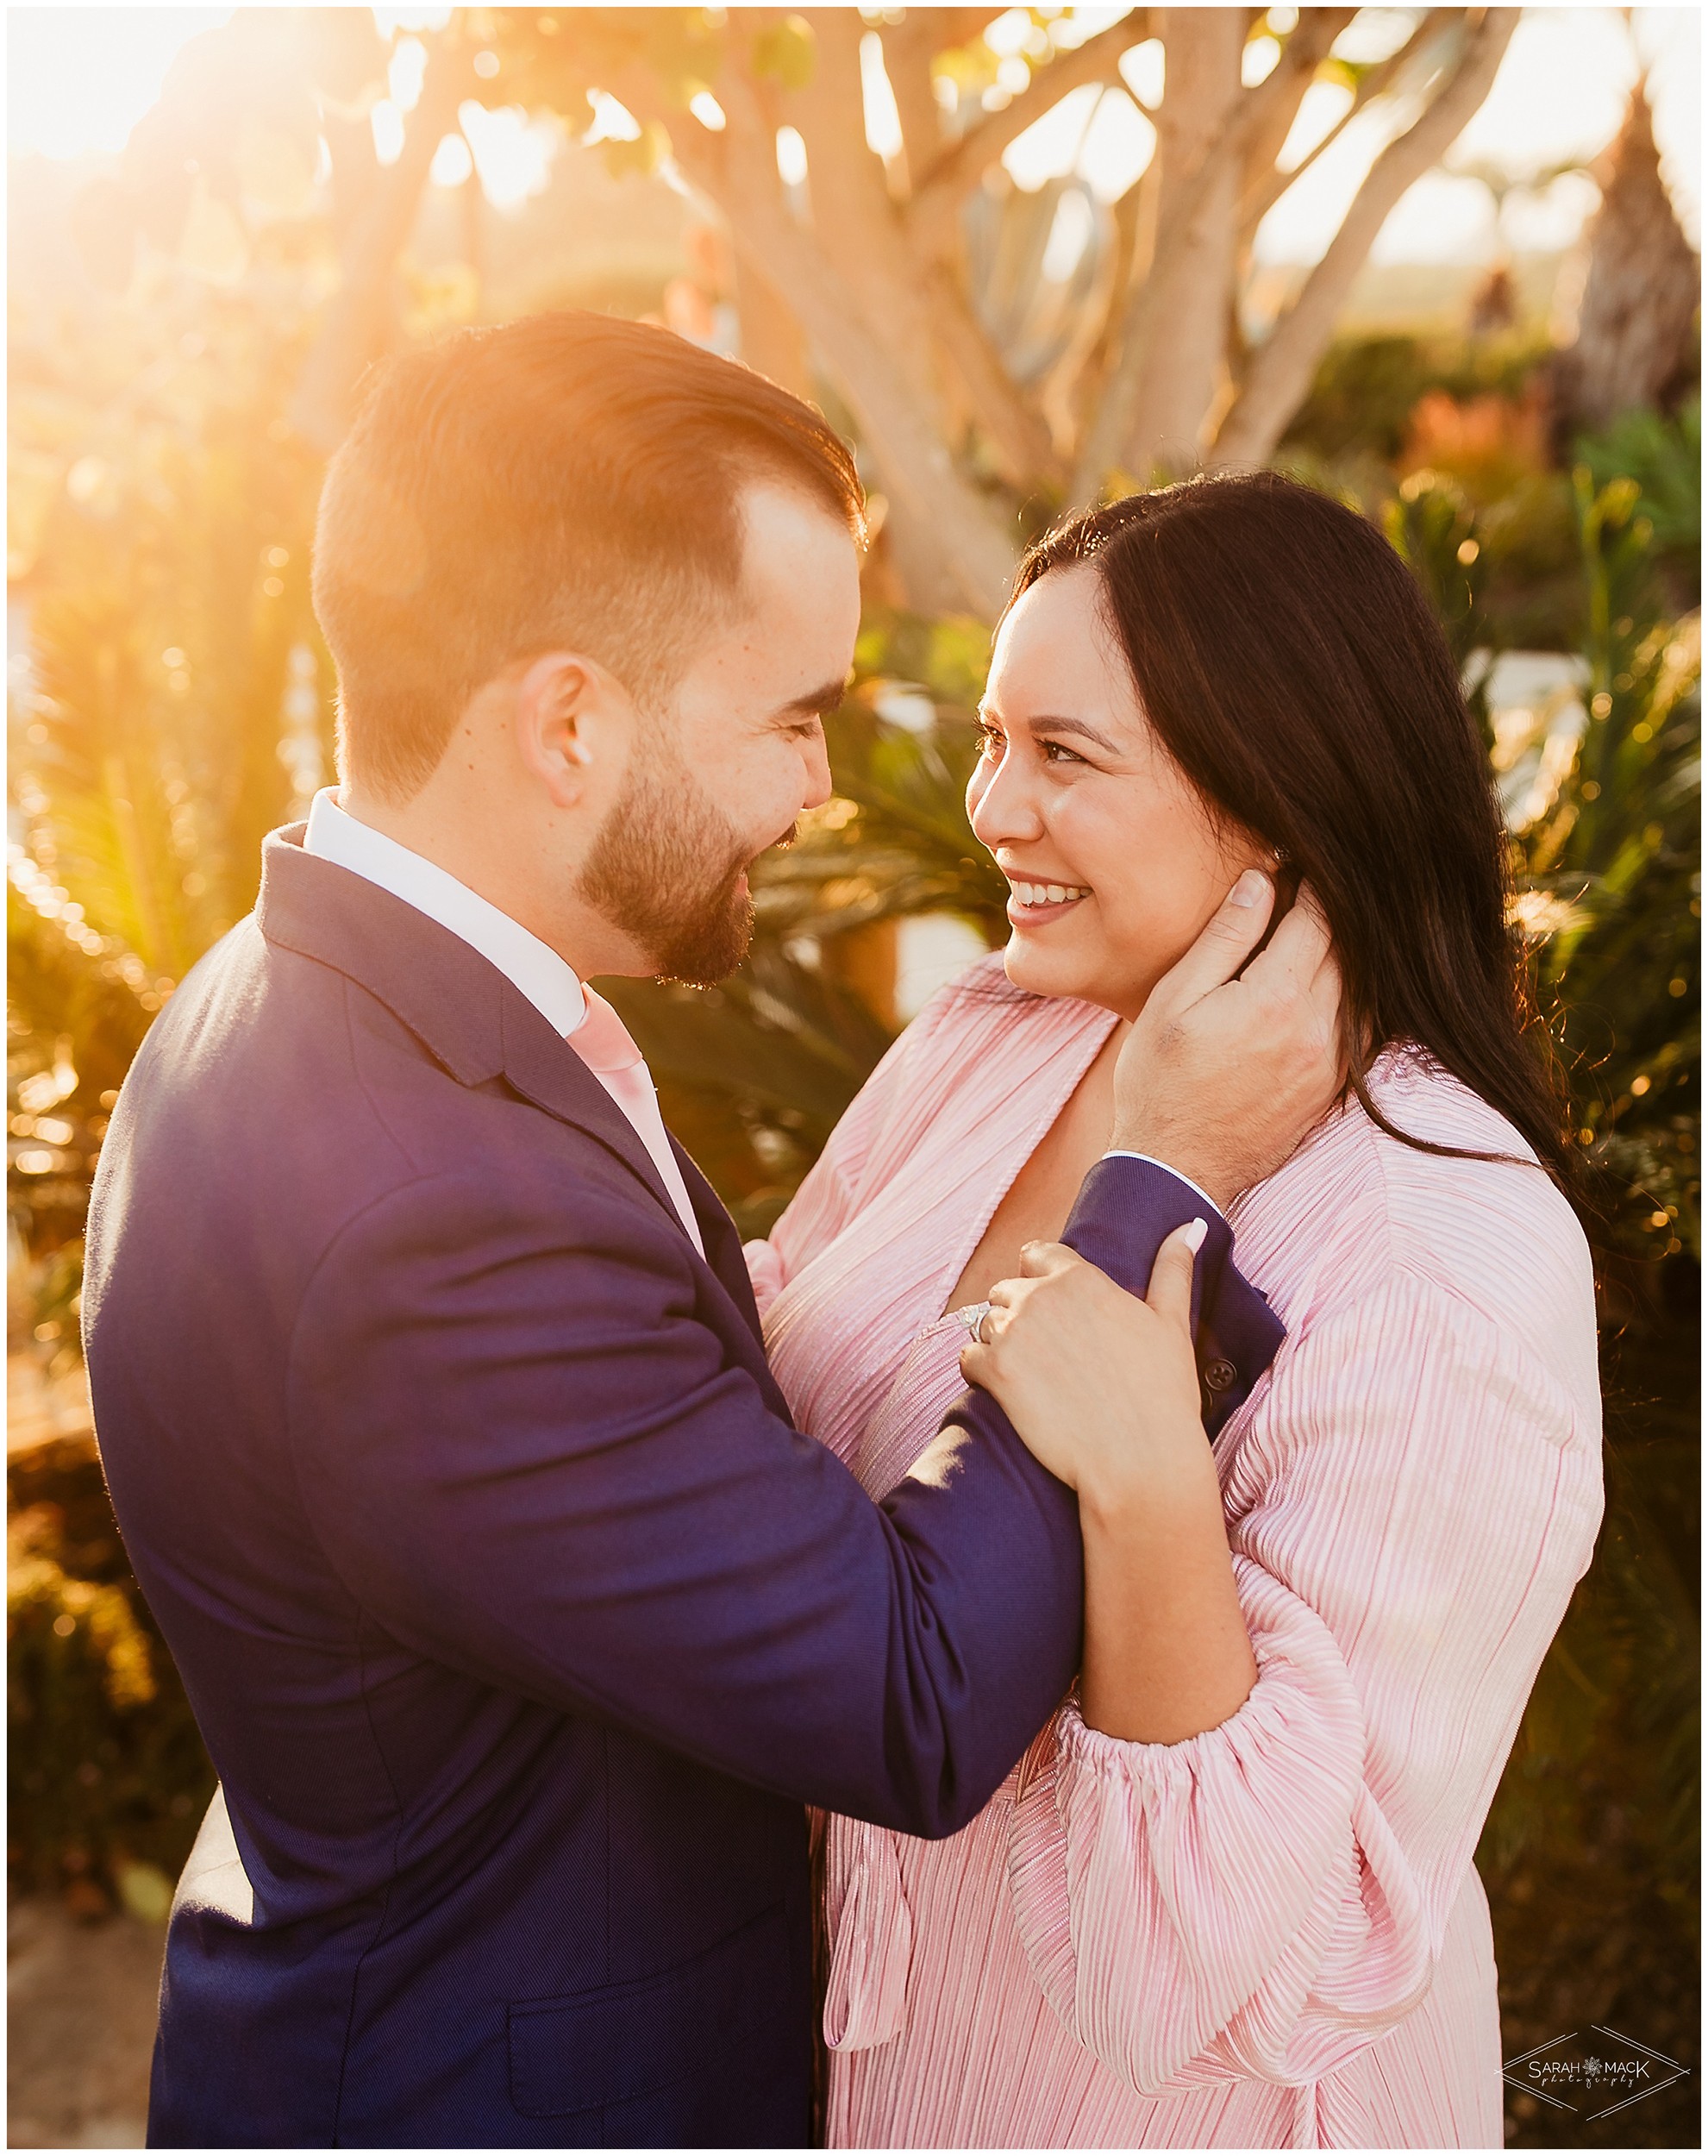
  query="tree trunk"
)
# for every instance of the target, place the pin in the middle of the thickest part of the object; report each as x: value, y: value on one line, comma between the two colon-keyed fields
x: 772, y: 342
x: 1182, y: 372
x: 950, y: 549
x: 1641, y: 288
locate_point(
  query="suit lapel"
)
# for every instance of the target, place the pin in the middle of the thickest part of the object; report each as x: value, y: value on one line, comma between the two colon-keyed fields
x: 722, y: 1237
x: 545, y: 1069
x: 470, y: 1019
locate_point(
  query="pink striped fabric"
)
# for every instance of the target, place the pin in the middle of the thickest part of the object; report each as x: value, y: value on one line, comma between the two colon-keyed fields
x: 1271, y: 1935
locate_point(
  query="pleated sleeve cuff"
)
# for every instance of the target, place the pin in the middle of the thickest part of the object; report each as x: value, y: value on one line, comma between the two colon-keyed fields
x: 1178, y: 1902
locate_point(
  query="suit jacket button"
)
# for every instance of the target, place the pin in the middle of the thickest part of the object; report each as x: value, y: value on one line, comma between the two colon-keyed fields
x: 1219, y: 1374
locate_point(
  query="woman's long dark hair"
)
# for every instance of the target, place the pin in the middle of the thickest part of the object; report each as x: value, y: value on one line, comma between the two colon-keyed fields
x: 1288, y: 660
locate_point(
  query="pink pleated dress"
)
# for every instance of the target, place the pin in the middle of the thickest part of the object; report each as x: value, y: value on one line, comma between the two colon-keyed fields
x: 1271, y: 1935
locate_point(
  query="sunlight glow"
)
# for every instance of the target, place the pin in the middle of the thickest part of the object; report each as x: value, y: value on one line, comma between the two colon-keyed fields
x: 387, y: 123
x: 1119, y: 145
x: 612, y: 122
x: 512, y: 152
x: 791, y: 157
x: 406, y: 71
x: 1047, y: 148
x: 883, y: 120
x: 453, y: 162
x: 1144, y: 72
x: 80, y: 78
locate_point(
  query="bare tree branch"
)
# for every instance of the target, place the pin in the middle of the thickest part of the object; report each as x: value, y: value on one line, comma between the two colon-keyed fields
x: 921, y: 303
x: 847, y: 176
x: 1279, y: 374
x: 1306, y: 48
x: 1112, y: 420
x: 938, y: 194
x: 1269, y: 185
x: 872, y: 346
x: 1012, y: 423
x: 909, y: 46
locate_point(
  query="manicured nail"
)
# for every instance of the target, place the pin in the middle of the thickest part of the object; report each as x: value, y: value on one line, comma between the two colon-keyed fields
x: 1249, y: 889
x: 1195, y: 1235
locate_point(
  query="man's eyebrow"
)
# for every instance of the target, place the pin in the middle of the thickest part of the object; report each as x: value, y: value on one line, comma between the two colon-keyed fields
x: 1047, y: 724
x: 824, y: 698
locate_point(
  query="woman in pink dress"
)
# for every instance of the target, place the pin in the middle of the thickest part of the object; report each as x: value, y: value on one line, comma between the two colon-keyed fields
x: 1227, y: 1898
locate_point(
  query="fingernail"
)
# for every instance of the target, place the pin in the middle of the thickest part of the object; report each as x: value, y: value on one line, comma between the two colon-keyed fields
x: 1195, y: 1235
x: 1249, y: 890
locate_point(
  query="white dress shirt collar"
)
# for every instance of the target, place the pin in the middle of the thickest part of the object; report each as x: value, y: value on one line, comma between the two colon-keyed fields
x: 548, y: 981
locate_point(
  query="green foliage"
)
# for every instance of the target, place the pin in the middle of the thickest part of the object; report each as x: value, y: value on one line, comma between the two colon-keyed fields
x: 1663, y: 455
x: 1367, y: 388
x: 1621, y: 849
x: 1609, y: 867
x: 1433, y: 528
x: 107, y: 1778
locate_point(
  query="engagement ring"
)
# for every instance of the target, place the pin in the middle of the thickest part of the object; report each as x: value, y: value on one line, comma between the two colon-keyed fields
x: 972, y: 1316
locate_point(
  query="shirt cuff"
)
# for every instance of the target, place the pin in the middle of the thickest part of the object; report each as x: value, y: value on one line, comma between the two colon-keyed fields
x: 1120, y: 1152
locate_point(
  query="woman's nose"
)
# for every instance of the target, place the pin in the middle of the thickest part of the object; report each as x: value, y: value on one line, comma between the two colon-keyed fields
x: 1001, y: 806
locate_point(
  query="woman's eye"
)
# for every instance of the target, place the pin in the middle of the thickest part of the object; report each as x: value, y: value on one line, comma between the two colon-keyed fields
x: 1054, y: 753
x: 990, y: 744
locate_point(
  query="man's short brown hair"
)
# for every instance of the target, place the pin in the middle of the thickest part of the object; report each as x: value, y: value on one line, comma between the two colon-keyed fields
x: 568, y: 481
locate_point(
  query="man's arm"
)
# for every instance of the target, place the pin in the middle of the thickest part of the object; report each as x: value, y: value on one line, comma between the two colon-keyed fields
x: 529, y: 1458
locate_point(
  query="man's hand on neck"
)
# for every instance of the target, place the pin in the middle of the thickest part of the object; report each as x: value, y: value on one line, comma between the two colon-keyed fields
x: 1225, y: 1070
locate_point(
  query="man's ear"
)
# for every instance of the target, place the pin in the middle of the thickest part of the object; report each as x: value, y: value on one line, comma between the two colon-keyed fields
x: 566, y: 716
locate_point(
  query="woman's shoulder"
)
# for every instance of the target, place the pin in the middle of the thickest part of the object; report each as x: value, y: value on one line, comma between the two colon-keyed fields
x: 1357, y: 1209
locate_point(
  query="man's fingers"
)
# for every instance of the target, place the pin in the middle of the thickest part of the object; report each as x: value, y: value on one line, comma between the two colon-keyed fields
x: 1300, y: 944
x: 1224, y: 945
x: 1170, y: 1294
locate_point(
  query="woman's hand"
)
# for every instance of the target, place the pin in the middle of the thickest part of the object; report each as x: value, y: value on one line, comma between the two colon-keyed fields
x: 1103, y: 1388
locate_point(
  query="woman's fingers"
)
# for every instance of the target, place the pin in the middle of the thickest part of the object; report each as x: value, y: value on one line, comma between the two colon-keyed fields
x: 1038, y: 1260
x: 1170, y: 1294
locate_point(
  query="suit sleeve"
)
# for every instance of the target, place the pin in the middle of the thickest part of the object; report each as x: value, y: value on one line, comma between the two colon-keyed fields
x: 529, y: 1458
x: 1127, y: 1208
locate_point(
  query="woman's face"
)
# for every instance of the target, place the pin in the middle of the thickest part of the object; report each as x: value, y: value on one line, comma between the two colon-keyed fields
x: 1114, y: 860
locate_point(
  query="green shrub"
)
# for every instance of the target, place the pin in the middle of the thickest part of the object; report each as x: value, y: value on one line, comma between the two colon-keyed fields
x: 107, y: 1776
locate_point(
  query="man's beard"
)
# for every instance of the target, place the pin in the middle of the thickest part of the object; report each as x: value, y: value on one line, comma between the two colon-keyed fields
x: 667, y: 868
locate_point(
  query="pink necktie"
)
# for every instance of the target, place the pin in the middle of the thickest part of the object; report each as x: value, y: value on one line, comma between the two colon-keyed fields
x: 607, y: 1047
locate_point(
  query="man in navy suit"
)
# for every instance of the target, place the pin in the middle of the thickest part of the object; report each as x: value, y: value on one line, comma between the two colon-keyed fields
x: 519, y: 1621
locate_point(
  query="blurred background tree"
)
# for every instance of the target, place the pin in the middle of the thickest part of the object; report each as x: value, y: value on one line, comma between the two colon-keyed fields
x: 1019, y: 256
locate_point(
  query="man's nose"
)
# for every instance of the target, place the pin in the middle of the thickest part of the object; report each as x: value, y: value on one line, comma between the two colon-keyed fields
x: 816, y: 788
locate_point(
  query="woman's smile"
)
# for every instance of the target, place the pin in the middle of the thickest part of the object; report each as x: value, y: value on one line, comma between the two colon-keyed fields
x: 1031, y: 903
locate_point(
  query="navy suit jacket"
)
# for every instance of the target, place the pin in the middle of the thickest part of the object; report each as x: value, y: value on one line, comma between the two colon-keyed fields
x: 518, y: 1620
